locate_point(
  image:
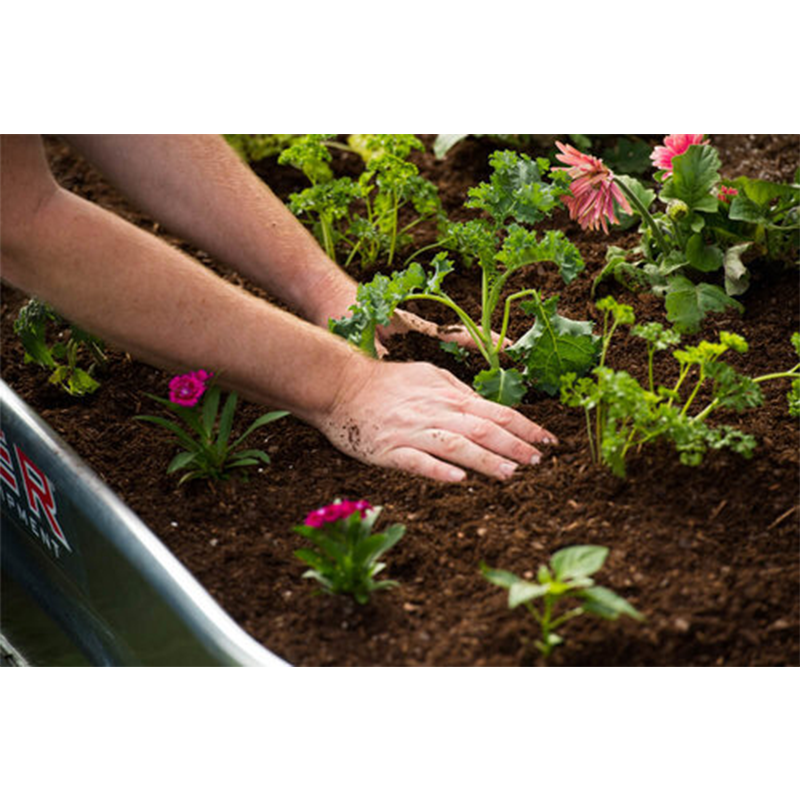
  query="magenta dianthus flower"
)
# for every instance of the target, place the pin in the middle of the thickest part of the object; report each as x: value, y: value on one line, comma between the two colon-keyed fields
x: 339, y: 510
x: 594, y: 191
x: 186, y: 390
x: 676, y: 144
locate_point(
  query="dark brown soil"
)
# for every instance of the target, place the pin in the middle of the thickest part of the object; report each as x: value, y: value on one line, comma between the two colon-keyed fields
x: 710, y: 555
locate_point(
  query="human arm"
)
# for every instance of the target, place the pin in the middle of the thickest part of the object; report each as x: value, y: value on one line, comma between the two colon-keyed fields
x: 198, y: 187
x: 154, y: 301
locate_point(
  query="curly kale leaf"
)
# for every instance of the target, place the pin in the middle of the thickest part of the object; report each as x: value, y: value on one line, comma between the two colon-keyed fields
x: 31, y: 327
x: 516, y: 189
x: 522, y: 247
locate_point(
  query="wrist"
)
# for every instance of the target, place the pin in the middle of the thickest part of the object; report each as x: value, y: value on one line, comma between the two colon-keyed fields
x: 330, y: 297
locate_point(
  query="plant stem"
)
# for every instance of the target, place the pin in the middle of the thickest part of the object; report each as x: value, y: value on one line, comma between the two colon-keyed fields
x: 645, y: 214
x: 483, y: 346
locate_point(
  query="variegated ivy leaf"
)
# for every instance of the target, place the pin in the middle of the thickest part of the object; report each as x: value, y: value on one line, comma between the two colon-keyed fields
x: 554, y: 346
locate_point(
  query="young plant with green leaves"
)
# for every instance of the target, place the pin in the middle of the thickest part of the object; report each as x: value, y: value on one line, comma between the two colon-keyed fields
x: 345, y: 558
x: 561, y: 592
x: 62, y: 358
x: 502, y: 242
x: 361, y: 217
x: 205, y: 437
x: 623, y: 416
x: 701, y: 229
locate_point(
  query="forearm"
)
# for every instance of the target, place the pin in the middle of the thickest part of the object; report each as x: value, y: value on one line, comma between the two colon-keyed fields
x: 135, y: 291
x: 198, y: 188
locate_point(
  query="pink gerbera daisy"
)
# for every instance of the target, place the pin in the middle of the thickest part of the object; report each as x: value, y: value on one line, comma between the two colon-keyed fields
x: 676, y: 144
x: 594, y: 191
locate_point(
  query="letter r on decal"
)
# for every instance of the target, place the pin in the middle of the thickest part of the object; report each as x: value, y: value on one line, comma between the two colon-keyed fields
x: 39, y: 493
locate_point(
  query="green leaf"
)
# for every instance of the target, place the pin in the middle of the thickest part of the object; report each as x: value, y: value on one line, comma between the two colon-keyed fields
x: 264, y: 419
x: 554, y: 347
x: 578, y: 562
x: 687, y: 304
x: 702, y: 256
x: 81, y: 382
x: 523, y: 592
x: 695, y: 173
x: 516, y: 189
x: 504, y: 386
x: 225, y: 422
x: 210, y: 408
x: 184, y: 438
x: 499, y: 577
x: 604, y: 603
x: 181, y: 461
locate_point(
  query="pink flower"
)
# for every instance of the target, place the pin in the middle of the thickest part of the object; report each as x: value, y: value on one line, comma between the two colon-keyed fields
x: 676, y: 144
x: 341, y: 509
x: 186, y: 390
x: 594, y: 191
x: 726, y: 193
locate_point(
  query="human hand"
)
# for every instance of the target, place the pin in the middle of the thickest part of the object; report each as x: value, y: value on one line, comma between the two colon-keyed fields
x: 420, y: 419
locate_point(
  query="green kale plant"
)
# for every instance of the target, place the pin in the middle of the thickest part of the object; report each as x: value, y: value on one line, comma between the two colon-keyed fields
x: 345, y: 558
x: 701, y: 228
x: 622, y: 415
x: 361, y: 217
x: 208, y: 452
x: 502, y: 242
x: 61, y: 358
x: 566, y: 579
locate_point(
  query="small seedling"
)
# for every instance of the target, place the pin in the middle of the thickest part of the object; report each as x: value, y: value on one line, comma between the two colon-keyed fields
x: 566, y: 579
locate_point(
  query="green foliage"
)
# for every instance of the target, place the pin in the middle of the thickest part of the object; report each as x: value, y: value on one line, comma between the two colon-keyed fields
x: 622, y: 415
x: 61, y: 358
x: 501, y: 243
x: 696, y: 244
x: 258, y: 146
x: 688, y: 303
x: 566, y: 579
x: 360, y: 217
x: 205, y: 437
x: 554, y: 346
x: 345, y: 558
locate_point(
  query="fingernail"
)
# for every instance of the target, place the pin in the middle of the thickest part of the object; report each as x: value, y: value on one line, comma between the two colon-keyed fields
x: 506, y: 469
x: 456, y: 475
x: 536, y: 459
x: 549, y: 440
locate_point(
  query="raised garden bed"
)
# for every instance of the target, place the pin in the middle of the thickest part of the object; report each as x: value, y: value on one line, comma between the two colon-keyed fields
x: 708, y: 554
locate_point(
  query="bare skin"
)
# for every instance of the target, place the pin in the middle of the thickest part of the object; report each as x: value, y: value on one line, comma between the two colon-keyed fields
x: 135, y: 291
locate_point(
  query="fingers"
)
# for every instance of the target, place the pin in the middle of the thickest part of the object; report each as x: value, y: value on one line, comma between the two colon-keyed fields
x: 418, y: 463
x: 510, y: 420
x: 490, y: 436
